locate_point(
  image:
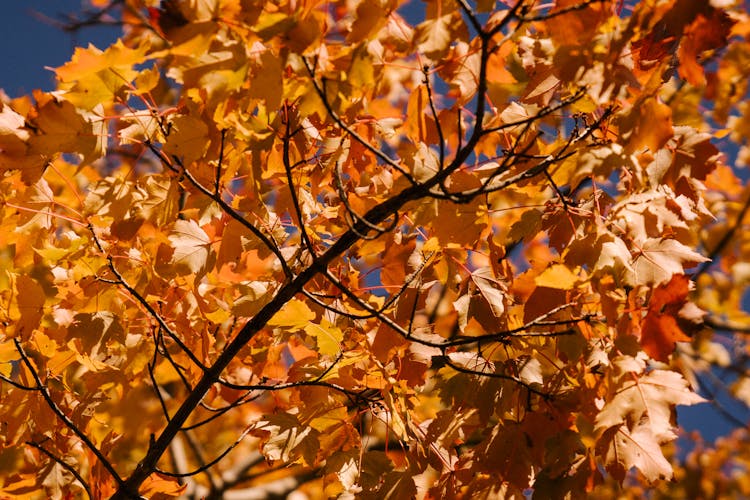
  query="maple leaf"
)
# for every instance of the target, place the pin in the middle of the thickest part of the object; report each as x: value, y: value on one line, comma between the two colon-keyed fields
x: 660, y: 258
x: 435, y: 35
x: 465, y: 79
x: 439, y: 254
x: 639, y: 418
x: 483, y: 302
x: 192, y: 248
x: 160, y: 202
x: 14, y: 148
x: 638, y: 448
x: 63, y: 128
x: 285, y: 439
x: 187, y: 139
x: 703, y: 34
x: 27, y: 305
x: 668, y: 310
x: 556, y: 276
x: 295, y: 315
x: 491, y: 289
x: 158, y: 485
x: 613, y: 257
x: 94, y: 77
x: 649, y: 125
x: 328, y: 337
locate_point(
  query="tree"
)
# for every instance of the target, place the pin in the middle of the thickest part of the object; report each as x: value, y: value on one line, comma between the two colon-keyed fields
x: 378, y: 250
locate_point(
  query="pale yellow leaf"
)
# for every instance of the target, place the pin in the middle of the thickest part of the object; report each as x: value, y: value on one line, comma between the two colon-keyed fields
x: 192, y: 247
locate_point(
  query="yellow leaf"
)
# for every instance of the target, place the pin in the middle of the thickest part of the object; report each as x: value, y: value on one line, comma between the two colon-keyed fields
x: 285, y: 439
x: 46, y: 346
x: 271, y: 24
x: 165, y: 373
x: 27, y: 305
x: 93, y: 77
x: 14, y: 154
x: 146, y: 80
x: 327, y: 335
x: 361, y: 73
x: 163, y: 201
x: 416, y: 125
x: 295, y: 315
x: 431, y: 245
x: 83, y: 358
x: 334, y: 417
x: 266, y: 78
x: 434, y: 36
x: 8, y: 353
x: 527, y: 226
x: 557, y: 276
x: 218, y: 316
x: 61, y: 359
x: 188, y: 139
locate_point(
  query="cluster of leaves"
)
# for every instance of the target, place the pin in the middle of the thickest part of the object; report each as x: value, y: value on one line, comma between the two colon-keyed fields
x: 366, y: 248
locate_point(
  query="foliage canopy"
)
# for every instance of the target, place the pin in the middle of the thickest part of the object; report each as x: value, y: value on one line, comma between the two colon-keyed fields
x: 360, y: 248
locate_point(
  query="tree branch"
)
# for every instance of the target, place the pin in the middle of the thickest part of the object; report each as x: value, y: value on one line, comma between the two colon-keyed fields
x: 64, y: 418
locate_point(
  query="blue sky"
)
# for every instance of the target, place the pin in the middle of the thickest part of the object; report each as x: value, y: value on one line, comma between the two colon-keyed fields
x: 29, y: 44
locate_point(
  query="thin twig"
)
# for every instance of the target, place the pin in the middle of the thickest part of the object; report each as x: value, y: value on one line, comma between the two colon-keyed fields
x: 206, y: 466
x: 502, y: 376
x: 63, y: 417
x: 320, y: 90
x: 64, y: 465
x: 725, y: 240
x: 290, y: 181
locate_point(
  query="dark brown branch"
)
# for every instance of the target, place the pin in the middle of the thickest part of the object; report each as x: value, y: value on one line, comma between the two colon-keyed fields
x: 295, y: 285
x: 17, y: 385
x: 408, y: 280
x: 472, y: 18
x: 250, y: 388
x: 509, y: 15
x: 714, y: 401
x: 96, y: 17
x: 218, y: 412
x: 501, y: 336
x: 217, y: 180
x: 547, y: 110
x: 151, y: 367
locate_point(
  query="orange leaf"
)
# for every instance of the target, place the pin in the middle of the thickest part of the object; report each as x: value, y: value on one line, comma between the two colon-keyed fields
x: 704, y: 33
x: 660, y: 330
x: 158, y: 486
